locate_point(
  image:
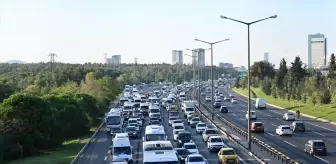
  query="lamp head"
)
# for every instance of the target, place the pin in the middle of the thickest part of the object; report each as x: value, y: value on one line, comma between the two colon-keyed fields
x: 223, y: 17
x: 274, y: 16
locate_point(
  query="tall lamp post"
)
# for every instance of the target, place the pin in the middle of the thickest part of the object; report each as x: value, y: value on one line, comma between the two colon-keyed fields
x: 198, y: 77
x: 249, y: 71
x: 212, y: 77
x: 193, y: 64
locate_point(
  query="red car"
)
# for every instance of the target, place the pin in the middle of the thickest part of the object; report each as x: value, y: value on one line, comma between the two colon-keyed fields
x: 257, y: 127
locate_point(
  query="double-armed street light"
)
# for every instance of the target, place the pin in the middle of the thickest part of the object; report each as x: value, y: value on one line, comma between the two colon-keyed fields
x: 193, y: 65
x: 212, y: 80
x: 249, y: 70
x: 194, y: 60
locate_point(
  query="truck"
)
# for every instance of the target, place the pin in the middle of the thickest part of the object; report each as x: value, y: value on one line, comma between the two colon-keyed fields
x: 315, y: 147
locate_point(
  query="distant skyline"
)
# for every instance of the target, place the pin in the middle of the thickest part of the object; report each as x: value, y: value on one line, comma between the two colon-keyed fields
x: 80, y: 31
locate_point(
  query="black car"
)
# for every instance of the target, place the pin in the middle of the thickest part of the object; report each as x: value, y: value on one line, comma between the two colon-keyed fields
x: 182, y: 154
x: 183, y: 137
x: 115, y: 130
x: 298, y: 126
x: 217, y: 105
x: 224, y: 109
x: 132, y: 132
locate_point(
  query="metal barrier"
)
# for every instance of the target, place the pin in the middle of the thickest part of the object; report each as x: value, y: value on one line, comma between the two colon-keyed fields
x: 82, y: 152
x: 260, y: 144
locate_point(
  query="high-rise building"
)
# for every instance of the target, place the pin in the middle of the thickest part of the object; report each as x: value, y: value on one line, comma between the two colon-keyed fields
x: 266, y: 57
x: 177, y: 56
x: 317, y: 50
x: 225, y: 65
x: 200, y: 57
x: 116, y: 59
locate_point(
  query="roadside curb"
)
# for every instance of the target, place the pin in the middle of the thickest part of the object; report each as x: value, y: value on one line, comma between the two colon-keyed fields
x: 306, y: 115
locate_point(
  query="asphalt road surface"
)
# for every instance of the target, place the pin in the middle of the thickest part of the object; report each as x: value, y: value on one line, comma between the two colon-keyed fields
x: 272, y: 118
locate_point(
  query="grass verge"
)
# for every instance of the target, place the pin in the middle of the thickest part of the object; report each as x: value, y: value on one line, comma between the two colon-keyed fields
x: 62, y: 155
x: 325, y: 111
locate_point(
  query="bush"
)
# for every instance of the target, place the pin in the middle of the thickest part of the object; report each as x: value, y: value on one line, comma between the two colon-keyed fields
x: 325, y: 97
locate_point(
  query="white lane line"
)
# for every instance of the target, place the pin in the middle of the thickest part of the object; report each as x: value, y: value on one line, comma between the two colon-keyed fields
x: 105, y: 158
x: 319, y: 134
x: 242, y: 119
x: 290, y: 144
x: 320, y: 126
x: 270, y: 134
x: 268, y: 115
x: 276, y: 112
x: 109, y: 152
x: 234, y: 114
x: 274, y: 125
x: 322, y: 159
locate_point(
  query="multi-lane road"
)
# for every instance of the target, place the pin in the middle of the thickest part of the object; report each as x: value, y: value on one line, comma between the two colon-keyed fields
x: 272, y: 118
x: 98, y: 152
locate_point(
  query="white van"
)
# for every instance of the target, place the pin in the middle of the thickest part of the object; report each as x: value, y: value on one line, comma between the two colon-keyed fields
x: 155, y: 133
x: 182, y: 96
x: 128, y: 107
x: 144, y: 107
x: 121, y: 149
x: 153, y: 109
x: 260, y: 103
x: 159, y: 152
x: 137, y: 101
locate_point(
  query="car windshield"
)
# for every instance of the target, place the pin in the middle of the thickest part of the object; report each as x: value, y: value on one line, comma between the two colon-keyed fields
x: 156, y: 115
x: 184, y: 136
x: 228, y: 152
x: 300, y: 124
x: 132, y: 121
x: 285, y: 127
x: 133, y: 124
x: 178, y: 127
x: 177, y: 121
x: 173, y: 118
x: 201, y: 125
x: 155, y: 137
x: 130, y: 129
x: 195, y: 119
x: 215, y: 140
x: 183, y: 152
x: 257, y: 124
x: 319, y: 144
x: 155, y: 122
x: 113, y: 120
x: 144, y: 107
x: 155, y: 111
x: 121, y: 150
x: 211, y: 132
x: 290, y: 114
x: 196, y: 159
x: 189, y: 109
x: 190, y: 146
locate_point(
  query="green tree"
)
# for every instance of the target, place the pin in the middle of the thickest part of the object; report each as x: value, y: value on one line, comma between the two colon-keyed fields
x: 237, y: 83
x: 5, y: 91
x: 332, y: 67
x: 266, y: 86
x: 262, y: 69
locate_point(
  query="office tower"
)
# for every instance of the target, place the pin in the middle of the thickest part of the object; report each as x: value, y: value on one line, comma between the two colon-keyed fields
x: 266, y: 57
x: 317, y: 50
x: 177, y: 57
x: 116, y: 59
x: 200, y: 57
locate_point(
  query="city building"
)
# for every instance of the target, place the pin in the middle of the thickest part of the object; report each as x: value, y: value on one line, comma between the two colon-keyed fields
x: 116, y: 59
x: 177, y: 57
x: 266, y: 57
x: 225, y: 65
x: 317, y: 50
x: 200, y: 57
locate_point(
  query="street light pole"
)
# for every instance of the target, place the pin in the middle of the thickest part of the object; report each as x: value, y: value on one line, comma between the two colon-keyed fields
x: 193, y: 65
x: 212, y: 83
x: 249, y: 72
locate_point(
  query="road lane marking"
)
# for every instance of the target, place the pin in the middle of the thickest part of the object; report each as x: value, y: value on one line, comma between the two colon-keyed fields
x: 319, y: 134
x: 108, y: 152
x: 320, y: 127
x: 276, y: 112
x: 105, y: 158
x: 290, y: 144
x: 234, y: 114
x: 322, y: 159
x: 242, y: 119
x: 274, y: 125
x: 270, y: 134
x: 268, y: 115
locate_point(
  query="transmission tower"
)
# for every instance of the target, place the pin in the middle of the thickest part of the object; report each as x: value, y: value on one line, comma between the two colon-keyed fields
x: 52, y: 61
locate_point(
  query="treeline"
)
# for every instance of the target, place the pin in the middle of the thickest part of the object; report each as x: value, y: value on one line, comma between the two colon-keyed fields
x: 294, y: 82
x: 39, y: 111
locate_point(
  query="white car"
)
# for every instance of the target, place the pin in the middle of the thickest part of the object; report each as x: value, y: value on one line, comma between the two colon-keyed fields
x: 284, y: 130
x: 175, y: 133
x: 191, y: 147
x: 215, y: 143
x: 177, y: 122
x: 209, y: 132
x: 234, y: 101
x: 171, y: 119
x: 208, y: 98
x: 195, y: 159
x: 288, y: 117
x: 218, y: 99
x: 200, y: 127
x: 139, y: 120
x: 221, y: 95
x: 253, y: 115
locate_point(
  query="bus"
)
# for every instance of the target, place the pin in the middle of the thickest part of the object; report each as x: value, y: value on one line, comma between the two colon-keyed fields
x: 159, y: 152
x: 155, y: 133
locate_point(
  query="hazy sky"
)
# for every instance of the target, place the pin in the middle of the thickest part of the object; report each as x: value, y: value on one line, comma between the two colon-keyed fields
x: 81, y: 31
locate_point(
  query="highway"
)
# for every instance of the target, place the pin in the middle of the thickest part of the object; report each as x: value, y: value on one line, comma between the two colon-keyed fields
x: 272, y: 118
x: 97, y: 152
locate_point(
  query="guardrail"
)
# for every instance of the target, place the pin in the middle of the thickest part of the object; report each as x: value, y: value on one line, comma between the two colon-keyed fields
x: 260, y: 144
x: 82, y: 152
